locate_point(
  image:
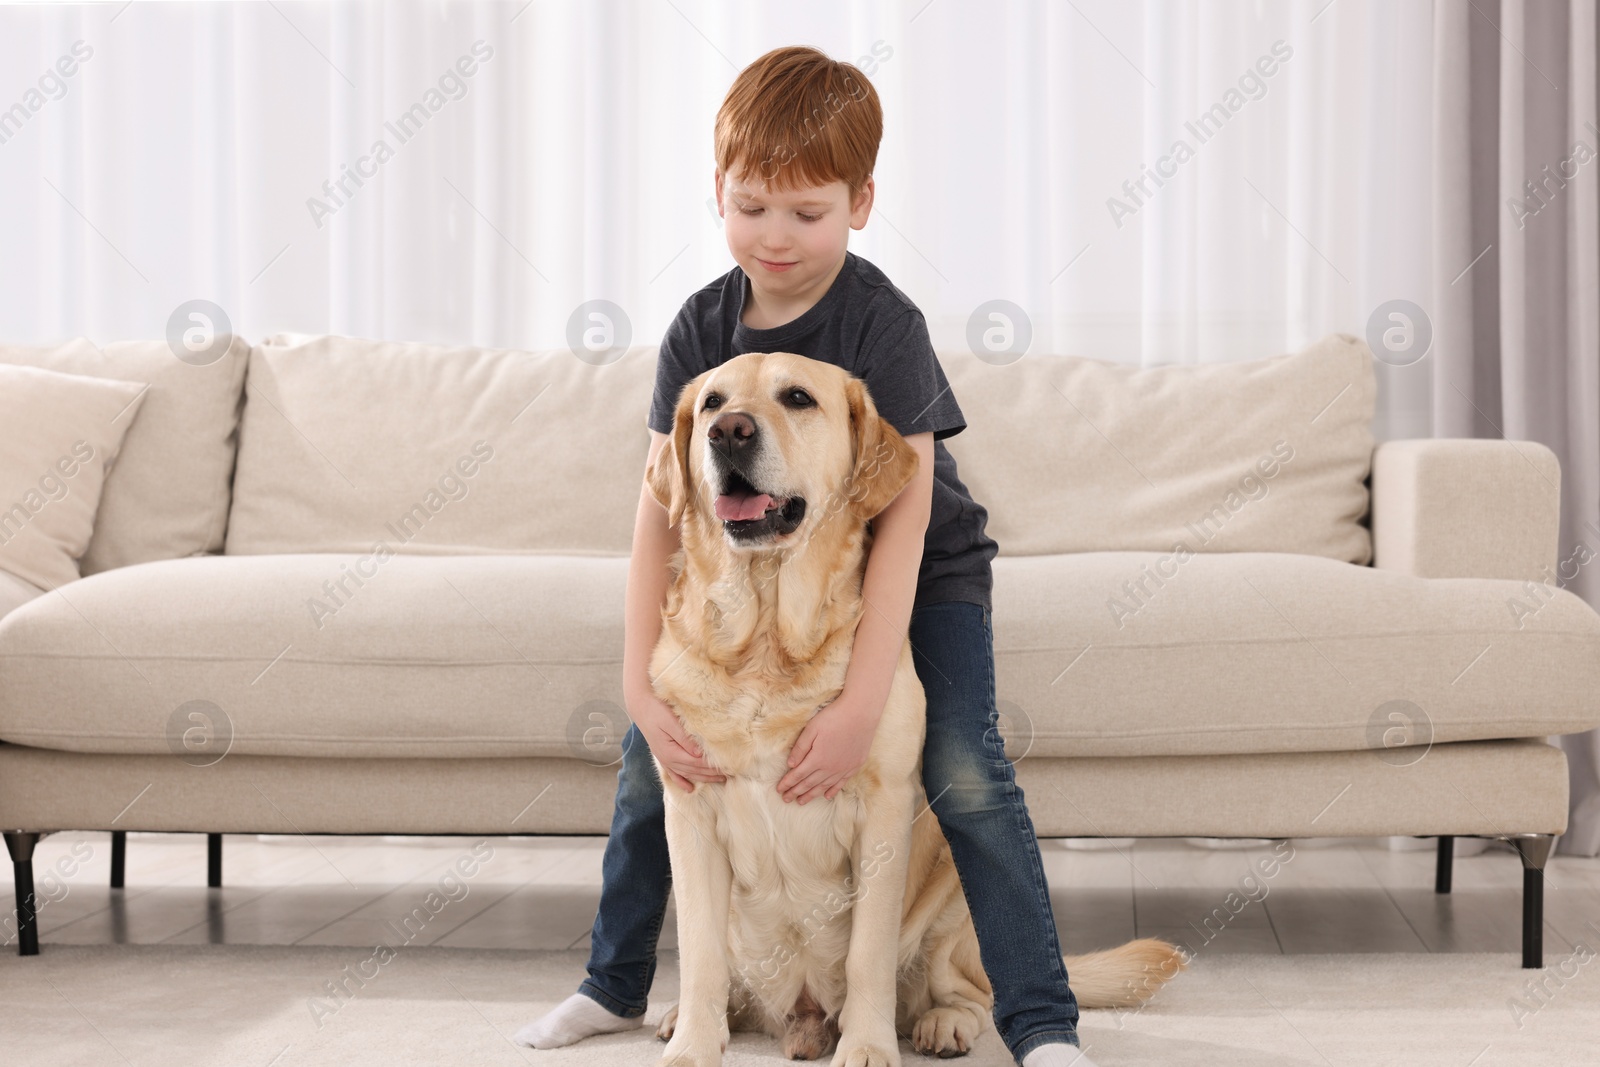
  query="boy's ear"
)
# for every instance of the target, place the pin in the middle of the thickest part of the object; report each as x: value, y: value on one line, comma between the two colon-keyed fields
x: 668, y: 475
x: 862, y: 201
x: 884, y: 462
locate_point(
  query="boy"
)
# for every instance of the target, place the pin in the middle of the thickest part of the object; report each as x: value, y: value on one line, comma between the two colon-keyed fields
x: 796, y: 141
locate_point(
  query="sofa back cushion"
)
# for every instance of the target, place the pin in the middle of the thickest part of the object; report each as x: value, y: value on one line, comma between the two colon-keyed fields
x: 1080, y: 455
x: 59, y: 435
x: 353, y: 445
x: 167, y: 496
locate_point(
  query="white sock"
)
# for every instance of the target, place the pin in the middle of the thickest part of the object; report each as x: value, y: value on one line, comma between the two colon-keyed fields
x: 574, y: 1019
x: 1057, y: 1055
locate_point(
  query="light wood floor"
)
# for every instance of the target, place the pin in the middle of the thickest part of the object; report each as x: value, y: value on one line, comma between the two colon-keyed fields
x: 1351, y: 895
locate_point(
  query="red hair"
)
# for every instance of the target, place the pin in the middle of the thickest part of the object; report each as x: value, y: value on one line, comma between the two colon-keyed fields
x: 796, y: 119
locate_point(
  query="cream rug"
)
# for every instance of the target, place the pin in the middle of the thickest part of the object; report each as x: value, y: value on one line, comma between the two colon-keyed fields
x: 248, y: 1006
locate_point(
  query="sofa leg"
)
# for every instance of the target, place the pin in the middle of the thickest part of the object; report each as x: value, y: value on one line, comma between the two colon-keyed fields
x: 20, y: 844
x: 1441, y: 876
x: 214, y: 861
x: 119, y: 857
x: 1535, y: 850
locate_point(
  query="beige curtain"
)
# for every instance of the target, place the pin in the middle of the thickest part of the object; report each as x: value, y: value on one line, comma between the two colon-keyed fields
x: 1517, y: 266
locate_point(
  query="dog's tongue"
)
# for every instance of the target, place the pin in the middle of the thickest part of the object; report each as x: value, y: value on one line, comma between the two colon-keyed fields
x: 735, y: 507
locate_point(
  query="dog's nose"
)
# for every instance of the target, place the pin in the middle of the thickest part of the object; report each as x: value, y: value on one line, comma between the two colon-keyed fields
x: 732, y: 432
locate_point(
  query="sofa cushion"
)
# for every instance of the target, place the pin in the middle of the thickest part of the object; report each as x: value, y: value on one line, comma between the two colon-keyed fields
x: 320, y: 654
x: 1067, y: 454
x: 14, y: 592
x: 462, y: 656
x: 1081, y: 455
x: 349, y: 443
x: 1133, y: 654
x: 167, y: 497
x: 59, y: 435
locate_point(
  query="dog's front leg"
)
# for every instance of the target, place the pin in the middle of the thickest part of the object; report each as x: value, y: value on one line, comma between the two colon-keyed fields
x: 880, y: 855
x: 703, y: 878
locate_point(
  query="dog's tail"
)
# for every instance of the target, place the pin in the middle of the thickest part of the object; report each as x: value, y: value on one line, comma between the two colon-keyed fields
x: 1124, y: 976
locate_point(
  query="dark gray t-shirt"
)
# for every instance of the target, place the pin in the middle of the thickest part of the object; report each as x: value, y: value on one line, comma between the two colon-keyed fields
x: 873, y: 330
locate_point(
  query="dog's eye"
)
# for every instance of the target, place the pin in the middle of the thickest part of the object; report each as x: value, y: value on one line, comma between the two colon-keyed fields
x: 799, y: 398
x: 712, y: 401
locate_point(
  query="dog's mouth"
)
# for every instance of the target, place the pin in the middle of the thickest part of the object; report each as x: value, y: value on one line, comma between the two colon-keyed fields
x: 749, y: 514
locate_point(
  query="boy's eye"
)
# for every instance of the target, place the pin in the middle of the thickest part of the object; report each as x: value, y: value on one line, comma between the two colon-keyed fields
x: 757, y: 211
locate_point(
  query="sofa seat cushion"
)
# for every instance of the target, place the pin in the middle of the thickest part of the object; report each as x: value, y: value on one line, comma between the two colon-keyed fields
x: 1136, y: 654
x: 321, y: 655
x: 462, y: 656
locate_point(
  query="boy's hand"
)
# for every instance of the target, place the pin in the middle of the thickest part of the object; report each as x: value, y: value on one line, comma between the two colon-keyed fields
x: 832, y: 747
x: 670, y: 743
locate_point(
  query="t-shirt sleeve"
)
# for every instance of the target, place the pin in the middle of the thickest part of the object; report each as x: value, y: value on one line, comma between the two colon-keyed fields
x: 906, y: 381
x: 679, y: 361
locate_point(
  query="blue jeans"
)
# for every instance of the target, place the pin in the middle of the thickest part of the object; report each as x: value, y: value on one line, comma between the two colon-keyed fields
x: 980, y: 809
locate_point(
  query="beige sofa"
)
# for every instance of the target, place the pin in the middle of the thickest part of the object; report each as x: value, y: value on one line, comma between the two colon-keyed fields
x: 377, y: 588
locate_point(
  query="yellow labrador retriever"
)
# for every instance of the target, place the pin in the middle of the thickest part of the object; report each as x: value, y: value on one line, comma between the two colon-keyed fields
x: 838, y: 918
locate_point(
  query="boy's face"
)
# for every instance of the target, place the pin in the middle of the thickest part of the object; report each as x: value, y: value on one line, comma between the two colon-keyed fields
x: 789, y: 241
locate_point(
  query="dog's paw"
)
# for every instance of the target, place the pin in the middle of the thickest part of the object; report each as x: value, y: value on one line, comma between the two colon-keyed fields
x: 669, y: 1023
x: 866, y: 1056
x: 692, y: 1041
x: 689, y: 1059
x: 945, y: 1032
x: 681, y: 1052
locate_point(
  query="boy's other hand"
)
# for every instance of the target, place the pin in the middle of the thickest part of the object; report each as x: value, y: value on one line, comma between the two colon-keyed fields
x: 831, y: 748
x: 670, y: 743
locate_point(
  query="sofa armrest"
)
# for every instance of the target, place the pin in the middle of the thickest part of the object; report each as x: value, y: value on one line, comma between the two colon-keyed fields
x: 1466, y: 508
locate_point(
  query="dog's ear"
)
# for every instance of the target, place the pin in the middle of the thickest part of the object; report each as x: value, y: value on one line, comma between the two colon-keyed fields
x: 884, y: 463
x: 668, y: 476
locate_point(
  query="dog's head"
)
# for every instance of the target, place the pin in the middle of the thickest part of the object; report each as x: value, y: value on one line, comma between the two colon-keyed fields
x: 772, y: 445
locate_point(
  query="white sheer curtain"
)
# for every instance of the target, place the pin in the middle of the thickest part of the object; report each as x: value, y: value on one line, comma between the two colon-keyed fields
x: 576, y: 165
